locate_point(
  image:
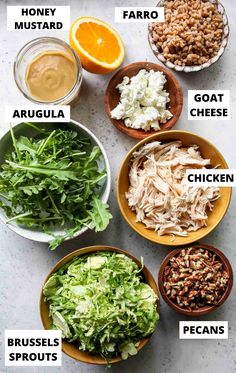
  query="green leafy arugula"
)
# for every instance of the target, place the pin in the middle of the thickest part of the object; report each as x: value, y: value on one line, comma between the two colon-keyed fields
x: 53, y: 181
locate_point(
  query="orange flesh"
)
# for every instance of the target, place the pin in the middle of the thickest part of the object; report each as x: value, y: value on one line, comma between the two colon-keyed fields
x: 98, y: 41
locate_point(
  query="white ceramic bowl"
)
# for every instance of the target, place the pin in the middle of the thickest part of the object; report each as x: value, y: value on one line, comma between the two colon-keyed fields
x: 22, y: 129
x: 190, y: 69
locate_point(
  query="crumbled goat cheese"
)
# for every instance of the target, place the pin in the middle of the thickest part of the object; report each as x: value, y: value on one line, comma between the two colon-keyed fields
x: 143, y: 101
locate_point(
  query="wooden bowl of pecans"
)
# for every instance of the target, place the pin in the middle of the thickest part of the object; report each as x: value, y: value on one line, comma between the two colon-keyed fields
x: 193, y: 37
x: 195, y: 280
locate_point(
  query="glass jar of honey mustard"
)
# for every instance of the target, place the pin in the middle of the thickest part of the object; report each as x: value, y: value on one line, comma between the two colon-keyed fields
x: 48, y: 71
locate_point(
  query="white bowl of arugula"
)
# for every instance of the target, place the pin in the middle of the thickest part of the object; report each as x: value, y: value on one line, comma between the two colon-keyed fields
x: 55, y: 181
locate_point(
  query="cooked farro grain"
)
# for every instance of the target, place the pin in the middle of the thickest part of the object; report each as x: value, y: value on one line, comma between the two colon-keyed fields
x: 192, y: 32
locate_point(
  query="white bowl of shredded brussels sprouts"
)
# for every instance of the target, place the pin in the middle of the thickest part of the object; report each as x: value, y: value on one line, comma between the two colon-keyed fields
x: 105, y: 302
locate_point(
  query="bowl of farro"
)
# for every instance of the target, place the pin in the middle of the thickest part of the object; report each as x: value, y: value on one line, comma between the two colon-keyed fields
x: 194, y: 35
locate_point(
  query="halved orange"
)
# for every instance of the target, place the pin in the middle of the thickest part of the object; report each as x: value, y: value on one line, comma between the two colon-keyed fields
x: 98, y: 45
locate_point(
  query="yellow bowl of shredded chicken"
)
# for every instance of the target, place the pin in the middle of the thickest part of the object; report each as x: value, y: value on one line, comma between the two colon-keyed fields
x: 154, y: 197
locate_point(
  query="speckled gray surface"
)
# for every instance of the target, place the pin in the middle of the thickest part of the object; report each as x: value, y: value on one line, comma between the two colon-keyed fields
x: 24, y: 264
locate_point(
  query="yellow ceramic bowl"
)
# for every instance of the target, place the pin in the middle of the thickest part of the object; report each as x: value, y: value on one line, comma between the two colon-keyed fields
x: 208, y: 150
x: 71, y: 349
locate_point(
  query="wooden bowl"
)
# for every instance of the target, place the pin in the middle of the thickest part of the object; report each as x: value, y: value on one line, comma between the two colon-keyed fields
x: 71, y: 349
x: 194, y: 68
x: 208, y: 150
x: 206, y: 309
x: 172, y: 86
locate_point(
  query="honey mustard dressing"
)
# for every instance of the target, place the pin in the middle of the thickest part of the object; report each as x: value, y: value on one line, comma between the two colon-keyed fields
x: 51, y: 75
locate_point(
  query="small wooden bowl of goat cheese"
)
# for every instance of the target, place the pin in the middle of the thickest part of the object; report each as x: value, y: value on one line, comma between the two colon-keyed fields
x: 143, y: 98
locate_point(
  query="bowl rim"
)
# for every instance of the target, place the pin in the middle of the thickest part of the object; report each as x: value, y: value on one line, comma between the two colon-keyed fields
x: 194, y: 68
x: 127, y: 159
x: 88, y: 250
x: 105, y: 195
x: 139, y: 133
x: 202, y: 310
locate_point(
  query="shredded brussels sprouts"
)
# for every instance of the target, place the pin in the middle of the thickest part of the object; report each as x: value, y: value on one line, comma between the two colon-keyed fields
x: 101, y: 302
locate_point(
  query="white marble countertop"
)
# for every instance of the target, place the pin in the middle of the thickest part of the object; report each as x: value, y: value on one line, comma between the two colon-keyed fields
x: 24, y: 264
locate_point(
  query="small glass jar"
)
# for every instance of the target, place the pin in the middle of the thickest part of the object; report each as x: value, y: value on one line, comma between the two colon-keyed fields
x: 32, y: 50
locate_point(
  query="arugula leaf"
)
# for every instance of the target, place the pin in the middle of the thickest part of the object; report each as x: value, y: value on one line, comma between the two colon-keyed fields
x: 24, y: 144
x: 99, y: 214
x: 54, y: 180
x: 63, y: 174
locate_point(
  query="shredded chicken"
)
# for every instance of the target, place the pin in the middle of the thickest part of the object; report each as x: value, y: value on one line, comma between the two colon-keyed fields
x: 158, y: 193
